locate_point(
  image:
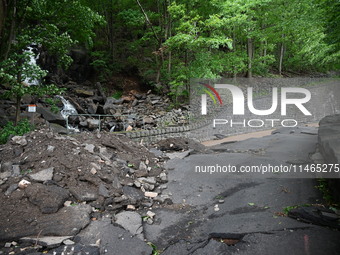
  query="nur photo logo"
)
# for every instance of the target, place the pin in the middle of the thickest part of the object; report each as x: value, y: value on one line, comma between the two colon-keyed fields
x: 280, y: 102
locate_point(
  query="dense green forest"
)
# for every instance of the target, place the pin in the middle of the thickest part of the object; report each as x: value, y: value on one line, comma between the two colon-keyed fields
x: 167, y: 42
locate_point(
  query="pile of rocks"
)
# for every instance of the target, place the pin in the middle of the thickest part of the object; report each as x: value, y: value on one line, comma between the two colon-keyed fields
x: 57, y: 191
x: 132, y: 111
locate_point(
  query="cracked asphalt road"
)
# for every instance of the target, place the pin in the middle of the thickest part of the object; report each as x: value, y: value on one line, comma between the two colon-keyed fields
x: 213, y: 211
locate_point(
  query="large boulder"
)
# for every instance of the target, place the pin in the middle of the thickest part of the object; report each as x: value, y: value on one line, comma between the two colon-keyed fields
x: 49, y: 198
x: 50, y: 116
x: 25, y: 219
x: 329, y: 142
x: 111, y: 105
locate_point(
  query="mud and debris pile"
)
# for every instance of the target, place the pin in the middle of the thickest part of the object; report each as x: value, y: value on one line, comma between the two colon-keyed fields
x: 54, y: 185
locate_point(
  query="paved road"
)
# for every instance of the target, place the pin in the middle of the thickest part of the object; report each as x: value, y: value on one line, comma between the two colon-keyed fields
x: 213, y: 211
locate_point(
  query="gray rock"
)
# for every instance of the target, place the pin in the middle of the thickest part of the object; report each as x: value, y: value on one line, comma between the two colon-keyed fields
x: 89, y: 148
x: 111, y: 100
x: 20, y: 140
x: 6, y: 167
x: 111, y: 104
x: 66, y: 222
x: 133, y: 194
x: 18, y: 151
x: 120, y: 199
x: 56, y: 128
x: 113, y: 240
x: 92, y: 108
x: 84, y: 192
x: 43, y: 175
x: 149, y: 221
x: 11, y: 189
x: 150, y: 180
x: 50, y: 148
x: 156, y: 152
x: 116, y: 184
x: 179, y: 155
x: 51, y: 117
x: 5, y: 175
x: 84, y: 93
x: 163, y: 176
x: 153, y: 102
x: 103, y: 191
x: 142, y: 166
x: 137, y: 184
x: 148, y: 120
x: 93, y: 123
x: 134, y: 103
x: 329, y: 144
x: 95, y: 166
x: 83, y: 123
x: 163, y: 199
x: 68, y: 242
x: 163, y: 186
x: 148, y: 186
x: 329, y: 135
x: 131, y: 221
x: 15, y: 170
x: 45, y: 241
x: 150, y: 214
x: 49, y: 198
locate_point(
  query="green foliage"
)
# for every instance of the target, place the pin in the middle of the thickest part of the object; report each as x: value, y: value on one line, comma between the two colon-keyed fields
x: 65, y: 20
x: 53, y: 104
x: 117, y: 95
x: 101, y: 64
x: 289, y: 208
x: 155, y: 251
x: 16, y: 69
x: 168, y: 42
x: 27, y: 171
x: 9, y: 129
x: 324, y: 188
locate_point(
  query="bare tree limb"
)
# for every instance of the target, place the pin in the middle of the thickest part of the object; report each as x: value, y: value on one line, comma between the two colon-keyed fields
x: 147, y: 20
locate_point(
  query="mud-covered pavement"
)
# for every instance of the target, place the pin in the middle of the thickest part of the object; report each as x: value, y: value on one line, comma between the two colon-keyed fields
x: 242, y: 213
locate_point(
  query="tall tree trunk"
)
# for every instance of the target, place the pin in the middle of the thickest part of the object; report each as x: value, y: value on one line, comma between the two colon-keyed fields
x: 265, y: 50
x: 3, y: 14
x: 169, y: 62
x: 159, y: 67
x: 17, y: 110
x: 168, y: 33
x: 234, y: 49
x: 250, y: 56
x: 111, y: 35
x: 281, y: 58
x: 18, y: 97
x: 11, y: 36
